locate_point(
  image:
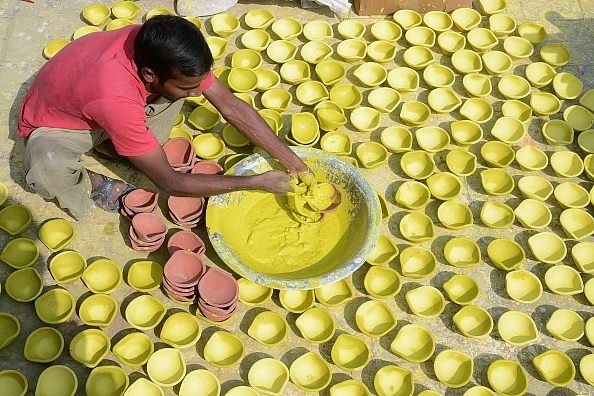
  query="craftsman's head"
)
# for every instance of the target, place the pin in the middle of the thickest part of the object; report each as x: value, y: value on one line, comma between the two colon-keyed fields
x: 172, y: 56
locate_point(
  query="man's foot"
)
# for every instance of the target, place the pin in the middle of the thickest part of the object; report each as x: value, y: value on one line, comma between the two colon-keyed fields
x: 107, y: 150
x: 107, y: 192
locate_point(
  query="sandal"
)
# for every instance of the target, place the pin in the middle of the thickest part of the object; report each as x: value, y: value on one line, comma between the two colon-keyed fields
x: 109, y: 193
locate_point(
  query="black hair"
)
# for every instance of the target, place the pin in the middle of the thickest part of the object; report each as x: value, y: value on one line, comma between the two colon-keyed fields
x: 165, y: 43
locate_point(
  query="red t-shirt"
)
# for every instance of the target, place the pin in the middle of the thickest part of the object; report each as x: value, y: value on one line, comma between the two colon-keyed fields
x: 93, y: 83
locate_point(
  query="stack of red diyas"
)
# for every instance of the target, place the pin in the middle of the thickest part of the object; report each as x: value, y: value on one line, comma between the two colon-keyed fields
x: 218, y: 295
x: 139, y: 201
x: 180, y: 153
x: 187, y: 241
x: 207, y: 167
x: 147, y: 232
x: 181, y: 274
x: 186, y: 211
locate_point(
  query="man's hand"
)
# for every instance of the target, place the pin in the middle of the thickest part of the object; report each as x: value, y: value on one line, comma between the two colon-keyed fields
x: 275, y: 181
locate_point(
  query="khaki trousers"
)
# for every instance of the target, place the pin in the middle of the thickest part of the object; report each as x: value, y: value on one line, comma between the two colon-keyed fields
x: 53, y: 158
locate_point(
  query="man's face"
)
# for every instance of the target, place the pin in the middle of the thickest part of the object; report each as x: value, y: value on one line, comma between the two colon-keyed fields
x: 177, y: 86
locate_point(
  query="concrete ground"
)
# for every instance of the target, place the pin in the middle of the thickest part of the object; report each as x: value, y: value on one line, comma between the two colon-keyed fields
x: 25, y: 28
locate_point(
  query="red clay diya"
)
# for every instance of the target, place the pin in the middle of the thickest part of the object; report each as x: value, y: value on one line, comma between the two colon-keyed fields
x: 180, y: 153
x: 218, y: 288
x: 184, y: 269
x: 186, y: 240
x: 186, y: 211
x: 148, y: 227
x: 207, y: 168
x: 139, y: 201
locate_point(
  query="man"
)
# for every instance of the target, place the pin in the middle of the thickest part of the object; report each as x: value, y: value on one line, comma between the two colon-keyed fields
x: 119, y: 93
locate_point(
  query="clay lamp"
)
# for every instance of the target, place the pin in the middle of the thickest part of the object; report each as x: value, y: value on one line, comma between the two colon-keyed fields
x: 466, y: 133
x: 466, y: 61
x: 102, y: 276
x: 386, y: 30
x: 587, y: 368
x: 513, y: 87
x: 134, y: 349
x: 181, y: 330
x: 281, y: 51
x: 578, y: 117
x: 314, y: 52
x: 462, y: 252
x: 242, y: 390
x: 517, y: 328
x: 496, y: 62
x: 241, y: 79
x: 370, y: 74
x: 202, y: 379
x: 316, y: 325
x: 384, y: 251
x: 246, y: 58
x: 352, y: 50
x: 267, y: 79
x: 412, y: 195
x: 55, y: 306
x: 268, y: 375
x: 351, y: 29
x: 518, y: 47
x: 311, y: 92
x: 566, y: 325
x: 118, y: 24
x: 555, y: 55
x: 577, y: 223
x: 417, y: 262
x: 392, y: 377
x: 350, y: 352
x: 11, y: 328
x: 413, y: 343
x: 158, y: 11
x: 330, y: 71
x: 450, y: 42
x: 564, y: 280
x: 443, y: 100
x: 396, y: 139
x: 224, y: 24
x: 497, y: 181
x: 582, y: 256
x: 287, y: 28
x: 507, y: 377
x: 533, y: 214
x: 374, y: 318
x: 497, y: 215
x: 297, y: 301
x: 185, y: 294
x: 24, y: 285
x: 433, y: 138
x: 466, y: 18
x: 251, y: 293
x: 335, y: 294
x: 544, y: 104
x: 453, y: 368
x: 497, y: 154
x: 143, y: 387
x: 310, y: 372
x: 403, y: 79
x: 417, y: 227
x: 371, y: 154
x: 531, y: 158
x: 455, y: 215
x: 14, y: 219
x: 407, y: 18
x: 382, y: 282
x: 587, y: 100
x: 256, y: 39
x: 187, y: 241
x: 89, y: 347
x: 418, y: 164
x: 461, y: 162
x: 277, y: 99
x: 555, y: 367
x: 438, y: 21
x: 418, y: 57
x: 259, y: 18
x: 509, y: 130
x: 477, y: 84
x: 381, y: 51
x: 425, y: 301
x: 502, y: 25
x: 43, y: 345
x: 567, y: 164
x: 57, y: 377
x: 506, y: 254
x: 231, y: 160
x: 180, y: 153
x: 145, y: 275
x: 20, y: 253
x: 473, y: 322
x: 96, y: 14
x: 586, y: 142
x: 166, y: 367
x: 14, y: 382
x: 217, y: 45
x: 269, y: 328
x: 571, y: 195
x: 125, y: 10
x: 207, y: 167
x: 184, y: 269
x: 145, y: 312
x: 186, y: 211
x: 305, y: 130
x: 547, y: 247
x: 590, y: 330
x: 481, y: 39
x: 216, y: 314
x: 346, y: 96
x: 54, y: 46
x: 461, y: 289
x: 438, y: 76
x: 523, y: 286
x: 84, y: 30
x: 98, y: 310
x: 477, y: 110
x: 540, y: 74
x: 294, y: 71
x: 330, y: 120
x: 589, y: 290
x: 3, y: 193
x: 218, y: 288
x: 421, y: 36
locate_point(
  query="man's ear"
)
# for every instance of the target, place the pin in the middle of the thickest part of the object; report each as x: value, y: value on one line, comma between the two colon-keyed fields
x: 148, y: 75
